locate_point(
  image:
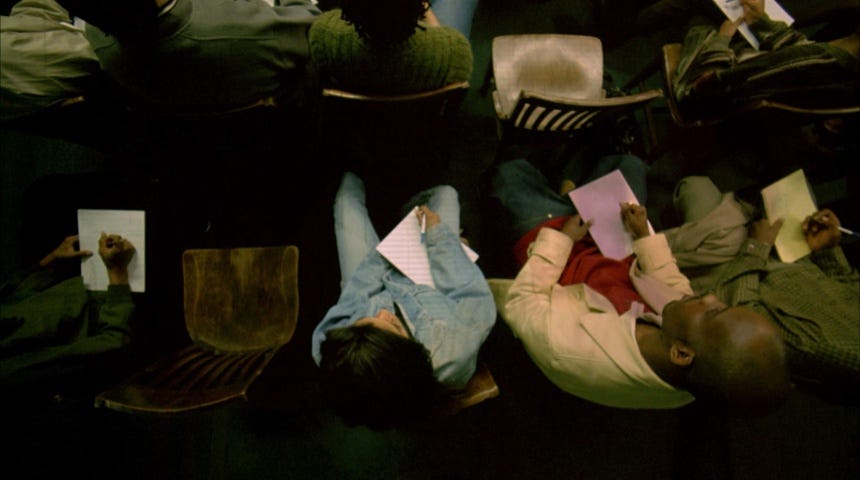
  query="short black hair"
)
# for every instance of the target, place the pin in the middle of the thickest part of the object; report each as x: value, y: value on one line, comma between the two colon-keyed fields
x: 377, y: 378
x: 382, y: 22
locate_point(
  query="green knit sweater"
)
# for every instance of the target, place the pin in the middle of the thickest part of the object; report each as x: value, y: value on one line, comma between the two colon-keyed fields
x: 431, y: 58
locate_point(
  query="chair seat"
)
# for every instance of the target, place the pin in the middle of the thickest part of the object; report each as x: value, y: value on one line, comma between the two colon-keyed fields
x: 191, y: 379
x: 554, y: 65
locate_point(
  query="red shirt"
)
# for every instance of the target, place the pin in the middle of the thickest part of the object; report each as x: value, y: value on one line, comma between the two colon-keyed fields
x: 610, y: 278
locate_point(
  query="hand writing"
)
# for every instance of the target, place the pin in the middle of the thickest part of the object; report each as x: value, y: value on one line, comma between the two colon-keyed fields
x: 635, y: 219
x: 821, y: 230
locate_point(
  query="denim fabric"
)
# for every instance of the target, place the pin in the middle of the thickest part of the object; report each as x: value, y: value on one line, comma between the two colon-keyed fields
x: 525, y: 192
x: 455, y: 13
x: 451, y: 321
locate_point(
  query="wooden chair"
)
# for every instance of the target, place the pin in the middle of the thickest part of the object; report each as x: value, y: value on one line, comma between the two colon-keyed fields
x: 482, y: 386
x: 241, y: 307
x: 438, y: 102
x: 549, y: 86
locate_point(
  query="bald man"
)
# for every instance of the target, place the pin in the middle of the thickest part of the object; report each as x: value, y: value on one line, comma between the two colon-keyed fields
x: 814, y: 302
x: 666, y: 347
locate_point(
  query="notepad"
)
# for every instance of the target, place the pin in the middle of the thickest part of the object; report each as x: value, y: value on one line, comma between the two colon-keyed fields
x: 789, y: 198
x: 130, y: 224
x: 734, y: 10
x: 600, y: 201
x: 403, y: 248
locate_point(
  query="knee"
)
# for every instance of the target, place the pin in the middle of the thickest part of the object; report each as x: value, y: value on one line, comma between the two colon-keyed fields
x: 695, y: 185
x: 446, y: 193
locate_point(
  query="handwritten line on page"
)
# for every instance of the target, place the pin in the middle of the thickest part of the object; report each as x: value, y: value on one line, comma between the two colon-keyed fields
x: 403, y: 248
x: 734, y: 10
x: 790, y: 199
x: 129, y: 224
x: 599, y: 201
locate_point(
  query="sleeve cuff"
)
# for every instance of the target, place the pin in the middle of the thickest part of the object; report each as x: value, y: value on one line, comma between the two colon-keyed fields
x: 756, y: 248
x: 118, y: 294
x: 552, y: 245
x: 652, y: 252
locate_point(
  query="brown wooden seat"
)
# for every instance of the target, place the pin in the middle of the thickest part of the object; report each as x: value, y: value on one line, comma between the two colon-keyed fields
x: 438, y: 102
x: 241, y: 307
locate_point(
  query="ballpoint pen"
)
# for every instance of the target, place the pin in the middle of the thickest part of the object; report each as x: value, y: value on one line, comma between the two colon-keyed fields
x: 848, y: 232
x: 423, y: 227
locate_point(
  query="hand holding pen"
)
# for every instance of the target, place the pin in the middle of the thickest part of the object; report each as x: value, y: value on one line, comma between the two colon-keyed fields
x: 428, y: 219
x: 823, y: 230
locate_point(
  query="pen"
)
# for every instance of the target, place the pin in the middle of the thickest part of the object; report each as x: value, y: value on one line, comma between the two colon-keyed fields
x: 848, y: 232
x: 423, y: 227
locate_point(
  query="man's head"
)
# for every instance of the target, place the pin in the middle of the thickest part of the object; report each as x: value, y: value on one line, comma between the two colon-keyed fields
x: 376, y: 375
x: 732, y: 355
x: 384, y: 21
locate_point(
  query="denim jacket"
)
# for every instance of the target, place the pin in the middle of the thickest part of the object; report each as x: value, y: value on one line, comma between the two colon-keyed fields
x: 451, y: 321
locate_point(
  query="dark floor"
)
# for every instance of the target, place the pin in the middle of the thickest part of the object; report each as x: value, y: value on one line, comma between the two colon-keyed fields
x: 261, y: 181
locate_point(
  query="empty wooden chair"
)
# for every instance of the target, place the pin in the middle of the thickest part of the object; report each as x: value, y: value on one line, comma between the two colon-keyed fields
x: 241, y: 307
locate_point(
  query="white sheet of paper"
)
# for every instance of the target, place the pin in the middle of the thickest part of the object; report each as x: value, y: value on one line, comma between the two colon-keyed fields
x: 734, y: 10
x: 403, y: 248
x: 600, y: 201
x: 791, y: 199
x: 130, y: 224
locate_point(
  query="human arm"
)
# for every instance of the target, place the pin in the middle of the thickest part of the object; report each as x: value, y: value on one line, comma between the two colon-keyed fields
x: 44, y: 274
x: 738, y: 281
x: 823, y: 235
x: 529, y: 297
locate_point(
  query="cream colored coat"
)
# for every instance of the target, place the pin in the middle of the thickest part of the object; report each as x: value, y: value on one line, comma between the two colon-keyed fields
x: 574, y: 334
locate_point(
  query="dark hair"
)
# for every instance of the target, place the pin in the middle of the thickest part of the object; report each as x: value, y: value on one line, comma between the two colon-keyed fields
x: 747, y: 378
x: 383, y: 21
x: 120, y: 18
x: 376, y: 378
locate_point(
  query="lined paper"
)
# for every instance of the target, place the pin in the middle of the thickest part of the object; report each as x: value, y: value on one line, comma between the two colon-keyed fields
x: 403, y: 248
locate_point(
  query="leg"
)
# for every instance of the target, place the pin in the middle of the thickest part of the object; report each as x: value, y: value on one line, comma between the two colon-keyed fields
x: 443, y: 200
x: 525, y: 194
x: 456, y: 13
x: 353, y: 229
x: 632, y: 168
x: 695, y: 197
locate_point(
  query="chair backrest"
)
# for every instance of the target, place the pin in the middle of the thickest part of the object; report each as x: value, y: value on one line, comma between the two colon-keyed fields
x: 552, y: 65
x: 440, y: 101
x: 562, y: 115
x: 241, y: 299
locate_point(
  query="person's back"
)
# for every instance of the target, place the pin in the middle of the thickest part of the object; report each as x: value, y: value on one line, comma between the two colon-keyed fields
x: 44, y: 59
x: 208, y: 54
x: 405, y: 55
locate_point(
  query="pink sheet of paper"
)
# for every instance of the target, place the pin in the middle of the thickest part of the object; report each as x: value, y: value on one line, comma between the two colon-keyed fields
x: 600, y: 201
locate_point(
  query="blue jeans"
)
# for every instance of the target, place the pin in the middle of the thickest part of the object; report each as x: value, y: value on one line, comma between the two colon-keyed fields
x: 354, y: 232
x: 455, y: 13
x: 526, y: 195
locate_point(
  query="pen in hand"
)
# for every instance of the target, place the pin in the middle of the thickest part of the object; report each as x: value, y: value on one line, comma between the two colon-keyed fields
x: 423, y: 227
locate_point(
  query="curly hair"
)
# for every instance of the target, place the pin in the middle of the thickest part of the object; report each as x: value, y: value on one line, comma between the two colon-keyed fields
x: 380, y: 22
x: 376, y: 378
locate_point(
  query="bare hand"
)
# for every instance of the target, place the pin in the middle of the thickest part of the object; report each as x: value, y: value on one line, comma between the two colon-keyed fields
x: 575, y: 228
x: 729, y: 28
x: 116, y: 252
x: 821, y: 230
x: 65, y: 250
x: 635, y: 219
x: 765, y: 232
x: 753, y: 11
x: 432, y: 218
